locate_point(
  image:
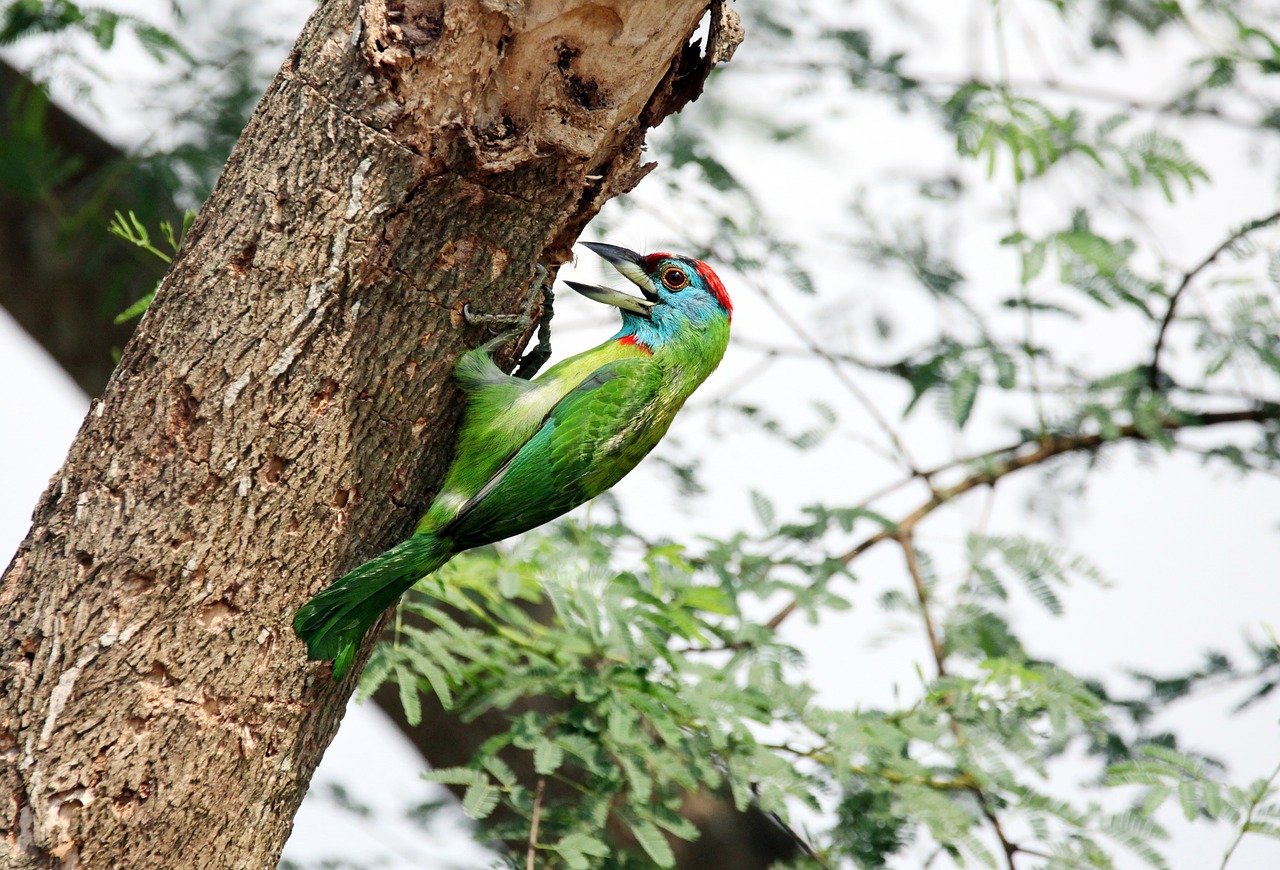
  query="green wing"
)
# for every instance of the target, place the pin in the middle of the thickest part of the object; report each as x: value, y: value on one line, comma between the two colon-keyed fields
x: 588, y: 442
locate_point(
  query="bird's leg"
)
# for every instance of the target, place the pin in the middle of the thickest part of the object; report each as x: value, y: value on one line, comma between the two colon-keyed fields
x: 531, y: 362
x: 536, y: 358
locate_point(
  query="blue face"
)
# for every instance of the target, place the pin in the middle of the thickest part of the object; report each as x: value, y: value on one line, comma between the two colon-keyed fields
x: 681, y: 295
x: 687, y: 294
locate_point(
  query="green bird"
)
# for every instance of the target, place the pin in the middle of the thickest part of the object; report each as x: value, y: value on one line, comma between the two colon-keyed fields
x: 531, y: 450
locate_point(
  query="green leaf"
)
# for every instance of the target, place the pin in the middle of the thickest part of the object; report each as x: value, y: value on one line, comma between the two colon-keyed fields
x: 653, y: 842
x: 480, y: 799
x: 1006, y: 372
x: 587, y: 845
x: 407, y: 683
x: 547, y: 758
x: 574, y: 860
x: 454, y: 776
x: 137, y: 309
x: 964, y: 392
x: 428, y: 670
x: 1033, y: 259
x: 1266, y: 829
x: 158, y: 44
x: 1211, y: 800
x: 1189, y: 798
x: 376, y: 671
x: 763, y: 508
x: 638, y: 778
x: 922, y: 378
x: 500, y: 770
x: 711, y: 599
x: 673, y: 822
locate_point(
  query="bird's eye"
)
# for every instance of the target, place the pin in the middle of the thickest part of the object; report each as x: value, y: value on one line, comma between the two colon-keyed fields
x: 674, y: 279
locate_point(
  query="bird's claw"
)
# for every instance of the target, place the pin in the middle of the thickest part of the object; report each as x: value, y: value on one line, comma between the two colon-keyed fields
x: 490, y: 319
x: 530, y: 363
x: 536, y: 358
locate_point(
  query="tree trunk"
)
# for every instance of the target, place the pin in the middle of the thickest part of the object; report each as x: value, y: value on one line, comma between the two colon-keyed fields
x: 284, y: 408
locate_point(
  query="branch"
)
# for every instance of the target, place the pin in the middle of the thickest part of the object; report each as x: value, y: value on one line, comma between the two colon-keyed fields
x: 1260, y: 793
x: 1010, y: 848
x: 922, y: 596
x: 939, y: 658
x: 1005, y: 461
x: 1153, y: 371
x: 531, y: 856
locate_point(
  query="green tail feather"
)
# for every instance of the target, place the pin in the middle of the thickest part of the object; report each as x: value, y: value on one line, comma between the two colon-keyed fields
x: 334, y: 622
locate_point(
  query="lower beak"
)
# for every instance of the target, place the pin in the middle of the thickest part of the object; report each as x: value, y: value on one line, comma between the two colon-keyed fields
x: 613, y: 297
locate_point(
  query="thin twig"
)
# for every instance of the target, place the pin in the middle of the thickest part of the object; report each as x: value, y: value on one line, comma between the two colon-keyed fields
x: 1258, y: 798
x: 1024, y: 292
x: 1153, y: 370
x: 939, y: 658
x: 773, y: 350
x: 531, y: 855
x: 922, y: 597
x: 1010, y: 848
x: 862, y: 398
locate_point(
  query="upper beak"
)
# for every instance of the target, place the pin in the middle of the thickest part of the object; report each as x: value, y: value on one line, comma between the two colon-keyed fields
x: 629, y: 266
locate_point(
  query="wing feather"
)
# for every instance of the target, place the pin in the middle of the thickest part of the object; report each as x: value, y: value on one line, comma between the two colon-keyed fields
x: 590, y: 439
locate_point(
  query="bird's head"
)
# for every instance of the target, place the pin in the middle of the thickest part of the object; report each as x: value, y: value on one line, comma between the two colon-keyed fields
x: 678, y: 292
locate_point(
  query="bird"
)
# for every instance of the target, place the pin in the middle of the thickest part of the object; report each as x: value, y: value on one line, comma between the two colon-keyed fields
x: 529, y: 451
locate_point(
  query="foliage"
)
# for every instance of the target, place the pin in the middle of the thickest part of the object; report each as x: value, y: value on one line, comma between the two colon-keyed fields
x: 20, y: 19
x: 30, y: 166
x: 652, y: 681
x: 135, y: 233
x: 621, y: 725
x: 67, y: 179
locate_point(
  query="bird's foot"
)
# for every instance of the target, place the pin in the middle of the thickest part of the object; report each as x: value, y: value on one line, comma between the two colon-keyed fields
x: 519, y: 323
x: 532, y: 361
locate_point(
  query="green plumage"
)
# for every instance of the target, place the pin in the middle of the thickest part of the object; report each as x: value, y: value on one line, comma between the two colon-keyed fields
x: 527, y: 452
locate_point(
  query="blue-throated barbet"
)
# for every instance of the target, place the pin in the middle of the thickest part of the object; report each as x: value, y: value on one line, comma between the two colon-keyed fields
x: 529, y: 451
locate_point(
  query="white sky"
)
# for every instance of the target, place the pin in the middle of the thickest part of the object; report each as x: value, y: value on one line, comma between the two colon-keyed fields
x: 1200, y: 541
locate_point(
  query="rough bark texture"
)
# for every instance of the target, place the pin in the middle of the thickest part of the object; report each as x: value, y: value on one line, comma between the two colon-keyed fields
x: 284, y: 408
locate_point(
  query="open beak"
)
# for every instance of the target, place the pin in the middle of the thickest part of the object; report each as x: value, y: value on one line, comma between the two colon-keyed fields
x: 629, y: 266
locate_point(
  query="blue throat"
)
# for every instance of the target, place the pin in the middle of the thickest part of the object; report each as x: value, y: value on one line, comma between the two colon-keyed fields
x: 667, y: 322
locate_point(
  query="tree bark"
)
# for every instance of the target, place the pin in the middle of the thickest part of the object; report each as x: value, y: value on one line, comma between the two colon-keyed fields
x: 284, y: 408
